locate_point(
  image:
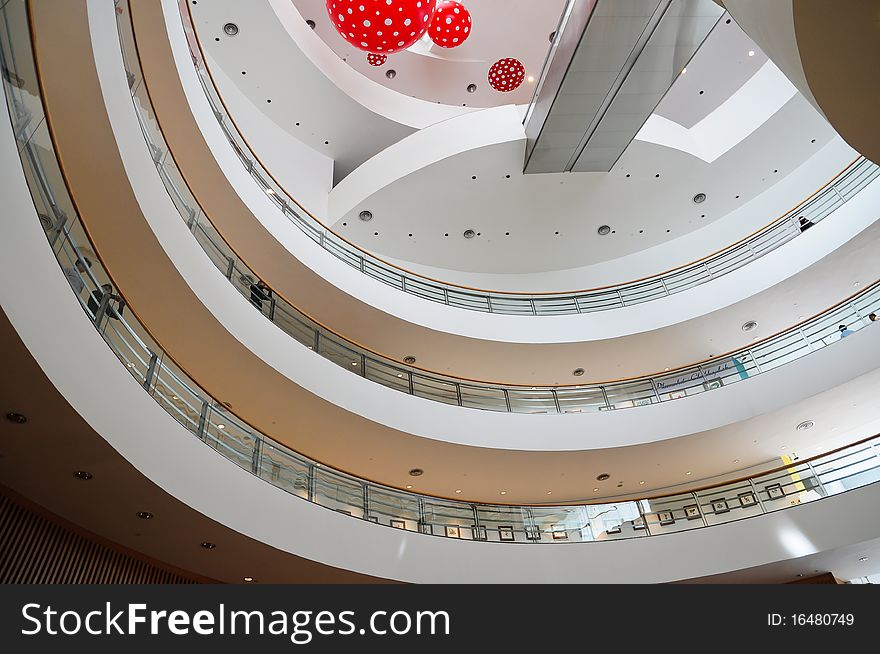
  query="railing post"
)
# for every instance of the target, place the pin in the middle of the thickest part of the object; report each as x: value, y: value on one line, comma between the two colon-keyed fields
x: 272, y: 309
x: 708, y: 272
x: 700, y: 509
x: 203, y: 421
x: 663, y: 283
x: 310, y: 483
x: 151, y: 370
x: 808, y: 341
x: 532, y: 305
x: 230, y: 267
x: 818, y: 480
x: 656, y: 392
x: 555, y: 400
x: 757, y: 495
x: 446, y: 295
x: 366, y: 492
x: 506, y: 399
x: 620, y: 297
x: 605, y: 397
x: 257, y: 455
x: 755, y: 361
x: 458, y: 393
x: 102, y: 309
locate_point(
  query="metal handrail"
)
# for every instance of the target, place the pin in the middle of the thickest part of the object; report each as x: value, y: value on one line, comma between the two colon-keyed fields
x: 469, y: 393
x: 192, y: 407
x: 815, y: 208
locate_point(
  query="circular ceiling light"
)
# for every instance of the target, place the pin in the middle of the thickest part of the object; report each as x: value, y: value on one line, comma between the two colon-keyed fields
x: 144, y: 515
x: 471, y: 88
x: 805, y: 425
x: 469, y: 233
x: 230, y: 29
x: 604, y: 230
x: 578, y: 372
x: 410, y: 360
x: 83, y: 475
x: 310, y: 23
x: 366, y: 216
x: 390, y: 73
x: 603, y: 477
x: 248, y: 580
x: 699, y: 198
x: 416, y: 472
x: 207, y: 545
x: 751, y: 53
x: 17, y: 418
x: 749, y: 325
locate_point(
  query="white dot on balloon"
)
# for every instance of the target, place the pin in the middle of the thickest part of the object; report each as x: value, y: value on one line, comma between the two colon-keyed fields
x: 387, y: 21
x: 367, y: 23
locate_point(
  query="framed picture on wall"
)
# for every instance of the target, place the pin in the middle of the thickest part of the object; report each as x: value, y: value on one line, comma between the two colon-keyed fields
x: 674, y: 395
x: 505, y: 533
x: 692, y: 512
x: 747, y: 499
x: 559, y: 533
x: 639, y: 523
x: 344, y: 511
x: 720, y: 506
x: 775, y: 491
x: 665, y: 517
x: 453, y: 531
x: 426, y: 528
x: 643, y: 401
x: 713, y: 383
x: 373, y: 518
x: 533, y: 533
x: 398, y: 524
x: 478, y: 532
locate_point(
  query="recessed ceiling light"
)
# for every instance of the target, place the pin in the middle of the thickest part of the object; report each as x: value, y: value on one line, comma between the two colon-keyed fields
x: 409, y: 485
x: 504, y: 492
x: 862, y: 559
x: 365, y: 215
x: 603, y: 477
x: 665, y: 369
x: 409, y: 359
x: 230, y: 29
x: 17, y: 418
x: 83, y: 475
x: 751, y: 53
x: 782, y: 448
x: 699, y: 198
x: 207, y: 545
x: 688, y: 473
x: 416, y: 472
x: 469, y: 233
x: 531, y: 79
x: 390, y: 73
x: 578, y: 372
x: 144, y: 515
x: 595, y: 490
x: 604, y: 230
x: 684, y: 70
x: 749, y: 325
x: 805, y: 425
x: 458, y: 490
x: 642, y: 482
x: 471, y: 88
x: 310, y: 23
x: 248, y: 580
x: 857, y: 284
x: 549, y: 492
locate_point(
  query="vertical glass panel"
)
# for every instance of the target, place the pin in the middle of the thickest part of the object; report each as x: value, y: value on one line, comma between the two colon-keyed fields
x: 393, y: 508
x: 536, y: 400
x: 337, y: 492
x: 483, y: 397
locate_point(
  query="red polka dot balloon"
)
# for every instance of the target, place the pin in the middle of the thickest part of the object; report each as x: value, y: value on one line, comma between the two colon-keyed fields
x: 381, y: 26
x: 506, y: 74
x: 451, y: 24
x: 376, y: 59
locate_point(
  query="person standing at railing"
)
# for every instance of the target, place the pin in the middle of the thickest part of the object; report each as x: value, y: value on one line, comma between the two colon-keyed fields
x: 844, y: 331
x: 805, y: 223
x: 97, y: 297
x: 76, y: 273
x: 260, y: 293
x: 872, y: 317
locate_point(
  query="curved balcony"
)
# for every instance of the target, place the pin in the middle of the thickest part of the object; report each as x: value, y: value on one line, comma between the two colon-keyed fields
x: 778, y: 232
x: 797, y: 482
x: 407, y: 378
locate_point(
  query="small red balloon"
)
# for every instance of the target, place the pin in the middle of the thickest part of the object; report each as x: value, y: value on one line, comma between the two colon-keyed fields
x: 506, y: 74
x: 381, y: 26
x: 376, y: 59
x: 451, y: 24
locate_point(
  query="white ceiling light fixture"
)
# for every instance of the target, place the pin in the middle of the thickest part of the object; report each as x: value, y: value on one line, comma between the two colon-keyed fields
x: 365, y: 215
x: 749, y: 325
x: 699, y: 198
x: 751, y: 53
x: 805, y: 425
x: 684, y: 71
x: 469, y: 233
x: 604, y: 230
x: 230, y: 29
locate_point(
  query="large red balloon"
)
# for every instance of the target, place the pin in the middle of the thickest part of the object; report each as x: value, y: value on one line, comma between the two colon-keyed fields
x: 451, y: 24
x: 506, y: 75
x: 381, y: 26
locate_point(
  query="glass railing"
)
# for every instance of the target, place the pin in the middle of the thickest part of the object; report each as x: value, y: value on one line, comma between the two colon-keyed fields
x: 447, y: 389
x: 191, y: 406
x: 815, y: 208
